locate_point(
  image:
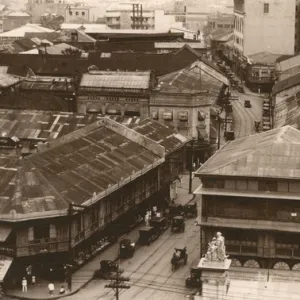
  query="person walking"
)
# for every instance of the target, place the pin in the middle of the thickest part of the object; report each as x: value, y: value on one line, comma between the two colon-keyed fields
x: 24, y: 285
x: 51, y: 288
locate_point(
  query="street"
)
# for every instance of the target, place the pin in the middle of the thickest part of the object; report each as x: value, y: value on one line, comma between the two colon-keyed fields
x: 244, y: 117
x: 150, y: 271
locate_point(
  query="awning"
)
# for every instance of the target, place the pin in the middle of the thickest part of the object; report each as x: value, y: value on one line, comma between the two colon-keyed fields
x: 4, y: 232
x: 5, y: 263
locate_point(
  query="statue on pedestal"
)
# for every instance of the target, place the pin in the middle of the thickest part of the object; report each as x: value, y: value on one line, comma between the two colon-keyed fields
x: 216, y: 249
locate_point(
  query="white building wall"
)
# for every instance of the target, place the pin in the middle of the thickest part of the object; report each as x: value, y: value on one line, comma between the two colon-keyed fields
x: 273, y: 31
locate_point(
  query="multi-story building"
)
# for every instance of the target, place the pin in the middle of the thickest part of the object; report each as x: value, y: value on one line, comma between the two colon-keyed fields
x: 263, y: 26
x: 129, y: 16
x: 78, y: 13
x: 107, y: 168
x: 36, y: 8
x: 250, y: 192
x: 218, y: 21
x: 115, y: 93
x: 185, y: 100
x: 15, y: 19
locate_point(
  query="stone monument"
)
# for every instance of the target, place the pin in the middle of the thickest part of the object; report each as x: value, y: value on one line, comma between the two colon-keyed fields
x: 214, y: 266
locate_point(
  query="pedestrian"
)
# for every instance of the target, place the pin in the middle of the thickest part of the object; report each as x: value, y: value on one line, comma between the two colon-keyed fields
x: 24, y: 285
x: 51, y: 288
x: 147, y: 219
x: 227, y: 282
x: 33, y: 279
x: 62, y: 290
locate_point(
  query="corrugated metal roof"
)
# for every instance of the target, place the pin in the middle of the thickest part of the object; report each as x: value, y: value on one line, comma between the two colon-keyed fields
x: 285, y: 84
x: 92, y: 160
x: 265, y: 58
x: 20, y: 31
x: 108, y: 79
x: 271, y: 154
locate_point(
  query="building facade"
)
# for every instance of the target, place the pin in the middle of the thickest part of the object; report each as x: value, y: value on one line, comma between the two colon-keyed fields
x: 15, y: 19
x: 115, y: 93
x: 220, y: 21
x: 253, y: 199
x: 184, y: 100
x: 132, y: 170
x: 263, y: 26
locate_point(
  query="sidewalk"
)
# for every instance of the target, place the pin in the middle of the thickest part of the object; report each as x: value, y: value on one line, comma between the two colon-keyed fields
x: 85, y: 274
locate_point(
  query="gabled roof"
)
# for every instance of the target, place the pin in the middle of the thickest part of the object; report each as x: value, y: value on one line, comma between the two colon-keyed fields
x: 82, y: 37
x: 197, y: 78
x: 264, y: 57
x: 115, y: 79
x: 178, y: 45
x: 271, y: 154
x: 285, y: 84
x: 58, y: 49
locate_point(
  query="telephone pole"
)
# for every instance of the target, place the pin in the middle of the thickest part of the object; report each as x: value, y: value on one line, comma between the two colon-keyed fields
x: 117, y: 283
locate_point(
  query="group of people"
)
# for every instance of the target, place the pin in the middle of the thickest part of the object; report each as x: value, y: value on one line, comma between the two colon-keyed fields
x: 154, y: 212
x: 51, y: 287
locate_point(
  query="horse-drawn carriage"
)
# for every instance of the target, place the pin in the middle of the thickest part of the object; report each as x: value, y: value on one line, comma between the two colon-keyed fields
x: 180, y: 255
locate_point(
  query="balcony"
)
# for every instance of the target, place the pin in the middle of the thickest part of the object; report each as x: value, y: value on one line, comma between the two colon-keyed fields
x: 262, y: 80
x: 42, y: 246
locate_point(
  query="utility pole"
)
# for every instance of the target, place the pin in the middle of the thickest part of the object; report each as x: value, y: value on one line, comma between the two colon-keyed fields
x: 117, y: 283
x: 191, y: 166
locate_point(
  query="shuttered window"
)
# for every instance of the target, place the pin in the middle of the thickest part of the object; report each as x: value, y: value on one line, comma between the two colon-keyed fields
x: 30, y: 234
x: 168, y: 116
x: 53, y: 233
x: 183, y: 116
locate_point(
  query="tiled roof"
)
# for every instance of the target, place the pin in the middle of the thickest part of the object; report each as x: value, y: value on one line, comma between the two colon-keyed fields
x: 44, y: 126
x: 48, y: 84
x: 285, y: 84
x: 95, y: 160
x: 113, y: 79
x: 265, y: 58
x: 271, y: 154
x: 41, y: 125
x: 193, y: 79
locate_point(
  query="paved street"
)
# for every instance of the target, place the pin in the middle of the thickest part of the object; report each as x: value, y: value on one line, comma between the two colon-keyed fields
x: 244, y: 117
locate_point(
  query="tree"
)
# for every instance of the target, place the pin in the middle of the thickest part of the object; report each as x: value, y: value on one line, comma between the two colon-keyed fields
x: 52, y: 21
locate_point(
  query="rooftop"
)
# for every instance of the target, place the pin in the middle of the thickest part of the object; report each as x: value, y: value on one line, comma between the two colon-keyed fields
x: 285, y: 84
x: 221, y: 35
x: 115, y: 79
x: 289, y: 63
x: 48, y: 84
x: 17, y: 14
x: 58, y: 49
x: 81, y: 167
x: 20, y: 31
x: 264, y: 58
x: 196, y: 78
x: 178, y: 45
x: 271, y: 154
x: 81, y: 36
x: 7, y: 80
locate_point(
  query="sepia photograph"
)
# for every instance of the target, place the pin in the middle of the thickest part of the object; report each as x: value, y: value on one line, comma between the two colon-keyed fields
x: 149, y: 149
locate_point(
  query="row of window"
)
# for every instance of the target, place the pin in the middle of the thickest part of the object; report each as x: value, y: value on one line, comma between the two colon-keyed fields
x: 252, y: 185
x: 77, y: 13
x: 182, y: 116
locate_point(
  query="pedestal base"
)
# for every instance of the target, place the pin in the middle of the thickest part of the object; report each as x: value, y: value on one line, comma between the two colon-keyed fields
x: 214, y: 284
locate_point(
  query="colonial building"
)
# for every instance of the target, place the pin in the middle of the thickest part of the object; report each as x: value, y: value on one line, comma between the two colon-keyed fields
x: 185, y: 100
x: 250, y: 192
x: 106, y: 167
x: 115, y: 93
x: 41, y: 93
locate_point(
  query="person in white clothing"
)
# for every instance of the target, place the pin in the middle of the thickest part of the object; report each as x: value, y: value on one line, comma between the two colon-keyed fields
x: 51, y: 288
x: 24, y: 285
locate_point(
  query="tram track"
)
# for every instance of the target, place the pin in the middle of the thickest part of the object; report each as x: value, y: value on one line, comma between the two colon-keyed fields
x: 158, y: 255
